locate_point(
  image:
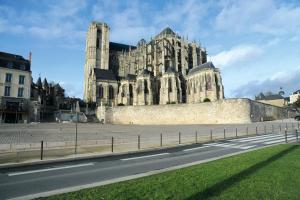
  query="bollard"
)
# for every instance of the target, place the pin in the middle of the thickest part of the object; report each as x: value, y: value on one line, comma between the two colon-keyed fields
x: 256, y: 130
x: 292, y: 125
x: 161, y: 140
x: 272, y: 128
x: 298, y: 125
x: 179, y: 138
x: 286, y: 126
x: 285, y: 134
x: 236, y: 132
x: 296, y: 134
x: 224, y: 133
x: 139, y: 142
x: 247, y: 131
x: 280, y: 128
x: 42, y: 149
x: 112, y: 144
x: 211, y: 135
x: 196, y: 137
x: 76, y: 137
x: 265, y: 128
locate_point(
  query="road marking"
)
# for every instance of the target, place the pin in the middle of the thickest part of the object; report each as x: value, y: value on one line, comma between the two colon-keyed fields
x: 266, y: 139
x: 49, y: 169
x: 230, y: 145
x: 255, y: 138
x: 134, y: 158
x: 282, y: 140
x: 249, y: 137
x: 247, y: 147
x: 194, y: 148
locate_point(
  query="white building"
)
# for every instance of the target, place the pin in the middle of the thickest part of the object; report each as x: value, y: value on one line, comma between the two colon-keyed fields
x: 15, y: 86
x: 294, y: 97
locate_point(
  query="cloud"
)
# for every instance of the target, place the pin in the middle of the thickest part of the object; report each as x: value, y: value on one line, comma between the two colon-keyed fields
x: 51, y: 20
x: 288, y: 80
x: 237, y: 55
x: 259, y: 16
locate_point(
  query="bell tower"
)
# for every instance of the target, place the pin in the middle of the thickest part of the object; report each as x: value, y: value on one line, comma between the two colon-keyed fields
x: 96, y: 56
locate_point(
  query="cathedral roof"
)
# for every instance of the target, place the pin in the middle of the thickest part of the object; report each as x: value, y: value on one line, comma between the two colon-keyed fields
x: 103, y: 74
x: 171, y: 70
x: 207, y: 65
x: 120, y: 47
x: 144, y: 72
x: 130, y: 77
x: 166, y: 31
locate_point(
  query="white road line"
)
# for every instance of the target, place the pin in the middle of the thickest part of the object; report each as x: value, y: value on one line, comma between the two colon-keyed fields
x: 248, y: 147
x: 134, y: 158
x: 49, y: 169
x: 282, y: 140
x: 255, y: 138
x: 249, y: 137
x: 195, y: 148
x: 230, y: 146
x: 266, y: 139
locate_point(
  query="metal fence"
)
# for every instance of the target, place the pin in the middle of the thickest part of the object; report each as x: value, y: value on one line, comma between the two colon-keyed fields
x: 19, y: 152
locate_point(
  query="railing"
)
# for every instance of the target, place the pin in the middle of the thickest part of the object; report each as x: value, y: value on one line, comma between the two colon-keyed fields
x: 18, y: 150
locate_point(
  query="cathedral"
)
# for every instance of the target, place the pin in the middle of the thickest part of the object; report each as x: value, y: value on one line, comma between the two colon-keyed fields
x: 168, y: 69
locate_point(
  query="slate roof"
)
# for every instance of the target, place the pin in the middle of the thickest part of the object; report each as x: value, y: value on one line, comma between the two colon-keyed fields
x: 171, y: 70
x: 13, y: 61
x: 207, y: 65
x: 296, y: 92
x: 103, y: 74
x: 166, y: 31
x: 130, y: 77
x: 144, y: 72
x: 270, y: 97
x: 120, y: 47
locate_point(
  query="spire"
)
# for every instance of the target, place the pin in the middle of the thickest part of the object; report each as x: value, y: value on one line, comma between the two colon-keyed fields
x: 39, y: 82
x: 45, y: 83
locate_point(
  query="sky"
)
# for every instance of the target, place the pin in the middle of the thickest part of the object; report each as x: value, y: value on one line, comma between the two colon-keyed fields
x: 255, y: 43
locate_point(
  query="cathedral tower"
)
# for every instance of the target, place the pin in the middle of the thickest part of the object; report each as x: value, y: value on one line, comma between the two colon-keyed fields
x: 96, y: 55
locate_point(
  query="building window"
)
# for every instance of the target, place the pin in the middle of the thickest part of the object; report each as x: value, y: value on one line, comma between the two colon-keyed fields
x: 100, y: 92
x: 170, y: 85
x: 111, y: 92
x: 146, y: 90
x: 8, y: 78
x: 10, y: 65
x: 20, y: 92
x: 97, y: 44
x: 7, y: 91
x: 21, y: 79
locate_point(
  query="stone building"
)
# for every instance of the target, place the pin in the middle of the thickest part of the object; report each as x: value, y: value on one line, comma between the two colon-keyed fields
x: 166, y: 70
x: 15, y: 82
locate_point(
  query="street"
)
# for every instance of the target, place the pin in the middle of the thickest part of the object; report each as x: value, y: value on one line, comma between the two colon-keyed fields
x: 37, y: 180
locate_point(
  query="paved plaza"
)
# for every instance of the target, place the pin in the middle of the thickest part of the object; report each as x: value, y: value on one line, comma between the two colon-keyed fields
x: 55, y: 132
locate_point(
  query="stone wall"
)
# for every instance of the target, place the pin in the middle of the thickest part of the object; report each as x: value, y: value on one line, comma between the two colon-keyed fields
x: 265, y: 112
x: 218, y: 112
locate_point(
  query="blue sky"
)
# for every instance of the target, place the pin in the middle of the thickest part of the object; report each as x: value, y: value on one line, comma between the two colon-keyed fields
x: 256, y: 43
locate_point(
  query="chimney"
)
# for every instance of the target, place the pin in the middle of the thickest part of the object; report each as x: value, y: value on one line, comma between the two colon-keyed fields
x: 30, y: 57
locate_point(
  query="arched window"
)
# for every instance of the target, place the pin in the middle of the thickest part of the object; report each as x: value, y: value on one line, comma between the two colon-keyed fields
x: 100, y: 91
x: 130, y: 91
x: 146, y: 90
x: 170, y: 85
x: 208, y: 82
x: 111, y: 92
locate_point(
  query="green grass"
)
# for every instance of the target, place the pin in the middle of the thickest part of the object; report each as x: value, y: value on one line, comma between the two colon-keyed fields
x: 270, y: 173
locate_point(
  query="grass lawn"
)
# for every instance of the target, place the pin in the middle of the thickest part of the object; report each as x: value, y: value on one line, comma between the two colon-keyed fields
x: 270, y: 173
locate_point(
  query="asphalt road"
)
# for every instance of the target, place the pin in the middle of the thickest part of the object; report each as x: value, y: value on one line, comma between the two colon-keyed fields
x: 38, y: 179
